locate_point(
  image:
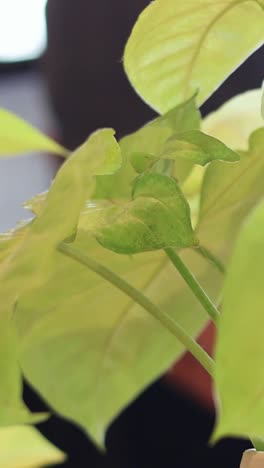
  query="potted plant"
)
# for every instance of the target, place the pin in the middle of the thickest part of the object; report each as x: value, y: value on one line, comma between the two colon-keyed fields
x: 138, y: 243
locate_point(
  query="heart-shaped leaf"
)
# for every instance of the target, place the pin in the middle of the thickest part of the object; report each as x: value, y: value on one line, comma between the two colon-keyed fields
x: 77, y: 321
x: 158, y: 217
x: 176, y: 48
x: 17, y: 136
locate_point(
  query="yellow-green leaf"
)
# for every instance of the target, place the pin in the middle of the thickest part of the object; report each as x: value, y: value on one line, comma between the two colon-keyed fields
x: 233, y: 187
x: 177, y: 48
x: 239, y: 353
x: 122, y: 346
x: 25, y: 447
x: 83, y: 323
x: 78, y: 335
x: 18, y: 136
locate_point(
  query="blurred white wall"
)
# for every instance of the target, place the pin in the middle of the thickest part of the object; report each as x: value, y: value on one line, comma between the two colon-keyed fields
x: 22, y: 29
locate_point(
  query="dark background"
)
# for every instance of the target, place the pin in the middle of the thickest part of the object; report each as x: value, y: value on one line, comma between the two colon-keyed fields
x: 87, y: 89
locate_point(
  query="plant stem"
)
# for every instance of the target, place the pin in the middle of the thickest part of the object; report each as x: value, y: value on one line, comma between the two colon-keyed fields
x: 137, y: 296
x: 193, y: 284
x: 258, y: 444
x: 209, y: 256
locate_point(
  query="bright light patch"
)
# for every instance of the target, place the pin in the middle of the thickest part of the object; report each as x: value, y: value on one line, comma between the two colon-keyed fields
x: 22, y: 29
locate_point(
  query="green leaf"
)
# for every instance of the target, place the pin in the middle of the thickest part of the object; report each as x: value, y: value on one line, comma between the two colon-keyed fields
x: 29, y: 255
x: 234, y: 122
x: 239, y: 353
x: 17, y: 136
x: 177, y: 48
x: 197, y: 147
x: 193, y: 146
x: 25, y: 447
x: 158, y: 217
x: 149, y: 141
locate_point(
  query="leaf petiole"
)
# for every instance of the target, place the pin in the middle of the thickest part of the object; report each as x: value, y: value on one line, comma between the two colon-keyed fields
x: 137, y: 296
x: 193, y: 284
x: 204, y: 252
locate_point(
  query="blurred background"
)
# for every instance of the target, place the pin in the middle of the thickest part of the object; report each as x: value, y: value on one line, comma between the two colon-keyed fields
x: 61, y: 69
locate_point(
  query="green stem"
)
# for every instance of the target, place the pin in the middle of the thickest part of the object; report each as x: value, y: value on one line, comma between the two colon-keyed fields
x: 258, y: 444
x: 137, y: 296
x: 193, y: 284
x: 209, y: 256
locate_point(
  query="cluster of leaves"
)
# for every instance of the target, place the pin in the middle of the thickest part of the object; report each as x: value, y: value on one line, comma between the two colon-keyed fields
x: 84, y: 343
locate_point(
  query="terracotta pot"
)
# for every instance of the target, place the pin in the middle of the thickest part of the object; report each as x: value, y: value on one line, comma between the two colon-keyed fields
x: 252, y: 459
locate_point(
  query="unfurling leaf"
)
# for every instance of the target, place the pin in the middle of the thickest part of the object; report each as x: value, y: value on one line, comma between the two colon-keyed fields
x: 157, y: 217
x: 25, y: 447
x: 176, y: 48
x: 239, y: 352
x: 193, y: 146
x: 198, y: 148
x: 18, y: 136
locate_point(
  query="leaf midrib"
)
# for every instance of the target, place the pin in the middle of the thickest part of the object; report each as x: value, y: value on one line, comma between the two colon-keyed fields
x: 202, y: 40
x: 119, y: 323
